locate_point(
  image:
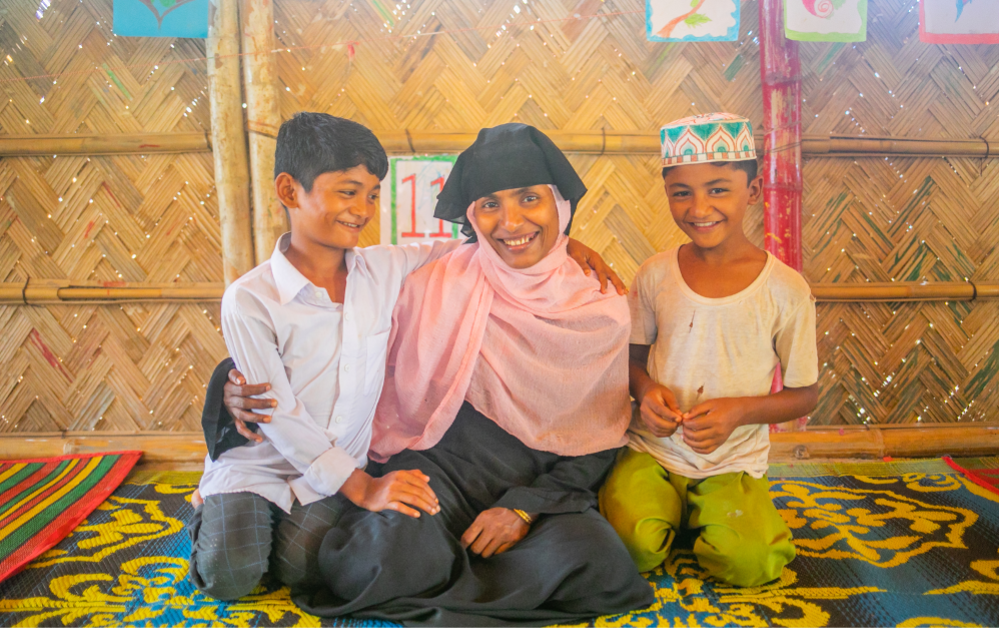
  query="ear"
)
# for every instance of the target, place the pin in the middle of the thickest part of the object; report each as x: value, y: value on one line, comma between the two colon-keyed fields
x: 755, y: 189
x: 287, y: 190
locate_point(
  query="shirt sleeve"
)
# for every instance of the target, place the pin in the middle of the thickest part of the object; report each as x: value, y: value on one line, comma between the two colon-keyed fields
x: 415, y: 255
x: 570, y: 486
x: 641, y: 303
x: 796, y: 346
x: 252, y: 342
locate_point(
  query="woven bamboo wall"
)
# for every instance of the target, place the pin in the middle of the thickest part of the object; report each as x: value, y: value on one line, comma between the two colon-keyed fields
x: 581, y: 74
x: 113, y: 219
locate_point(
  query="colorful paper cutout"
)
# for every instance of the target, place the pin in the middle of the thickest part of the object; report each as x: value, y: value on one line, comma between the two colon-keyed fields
x: 825, y: 20
x: 691, y: 20
x: 161, y: 18
x: 959, y: 21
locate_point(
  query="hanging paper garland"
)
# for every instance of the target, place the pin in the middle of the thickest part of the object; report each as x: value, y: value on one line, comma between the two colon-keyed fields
x: 959, y: 21
x: 825, y: 20
x: 692, y: 20
x: 161, y: 18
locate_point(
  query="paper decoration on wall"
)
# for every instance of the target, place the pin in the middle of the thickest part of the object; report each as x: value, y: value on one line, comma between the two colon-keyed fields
x: 825, y: 20
x: 161, y: 18
x: 959, y: 21
x: 408, y: 197
x: 692, y: 20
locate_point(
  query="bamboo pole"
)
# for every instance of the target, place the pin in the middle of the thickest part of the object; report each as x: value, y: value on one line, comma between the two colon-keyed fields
x: 232, y: 177
x: 263, y: 121
x: 73, y: 144
x: 41, y: 292
x: 609, y: 143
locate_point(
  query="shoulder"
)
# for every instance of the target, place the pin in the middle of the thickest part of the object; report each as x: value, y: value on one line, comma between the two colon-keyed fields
x: 655, y: 269
x: 787, y: 287
x: 250, y: 290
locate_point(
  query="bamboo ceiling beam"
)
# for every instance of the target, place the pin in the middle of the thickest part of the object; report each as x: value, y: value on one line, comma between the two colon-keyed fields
x: 80, y: 144
x: 399, y: 142
x: 55, y: 292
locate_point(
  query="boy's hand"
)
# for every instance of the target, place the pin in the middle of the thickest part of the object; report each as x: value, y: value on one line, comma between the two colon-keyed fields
x: 494, y: 531
x: 239, y: 402
x: 660, y: 413
x: 708, y: 425
x: 588, y: 259
x: 405, y: 491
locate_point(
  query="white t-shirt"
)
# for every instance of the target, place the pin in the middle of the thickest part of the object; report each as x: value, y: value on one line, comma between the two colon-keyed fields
x: 706, y: 348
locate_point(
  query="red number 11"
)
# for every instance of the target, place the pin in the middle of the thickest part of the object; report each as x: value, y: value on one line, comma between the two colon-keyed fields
x: 439, y: 182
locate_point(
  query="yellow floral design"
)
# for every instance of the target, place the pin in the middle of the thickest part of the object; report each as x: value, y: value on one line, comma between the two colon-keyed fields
x: 684, y: 601
x: 920, y: 482
x: 850, y: 530
x: 133, y: 521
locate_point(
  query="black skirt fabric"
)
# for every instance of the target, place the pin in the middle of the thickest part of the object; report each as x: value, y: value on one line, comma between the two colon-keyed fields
x: 571, y: 566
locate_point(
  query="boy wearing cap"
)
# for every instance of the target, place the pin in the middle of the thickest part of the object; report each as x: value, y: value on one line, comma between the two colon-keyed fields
x: 711, y: 322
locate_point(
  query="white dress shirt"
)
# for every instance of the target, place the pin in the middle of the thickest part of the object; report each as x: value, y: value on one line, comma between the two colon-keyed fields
x: 325, y: 363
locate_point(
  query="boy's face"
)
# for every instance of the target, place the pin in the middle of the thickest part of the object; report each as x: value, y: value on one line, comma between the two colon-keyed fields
x: 708, y: 201
x: 337, y: 208
x: 521, y: 224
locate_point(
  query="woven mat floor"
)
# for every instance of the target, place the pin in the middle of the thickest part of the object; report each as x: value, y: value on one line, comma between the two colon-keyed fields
x: 879, y: 544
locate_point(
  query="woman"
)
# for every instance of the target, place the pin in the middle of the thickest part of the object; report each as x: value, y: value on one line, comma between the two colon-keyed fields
x: 507, y: 386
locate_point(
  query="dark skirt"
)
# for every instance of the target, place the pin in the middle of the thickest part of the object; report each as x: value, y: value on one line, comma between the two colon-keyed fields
x: 571, y: 566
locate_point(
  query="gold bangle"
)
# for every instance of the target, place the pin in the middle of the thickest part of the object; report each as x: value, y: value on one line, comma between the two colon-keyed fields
x: 524, y: 515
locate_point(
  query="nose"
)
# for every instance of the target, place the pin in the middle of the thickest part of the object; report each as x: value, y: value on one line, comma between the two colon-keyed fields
x: 511, y: 218
x: 701, y: 206
x: 363, y: 207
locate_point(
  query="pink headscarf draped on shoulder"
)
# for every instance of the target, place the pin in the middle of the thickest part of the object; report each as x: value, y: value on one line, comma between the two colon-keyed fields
x: 539, y: 351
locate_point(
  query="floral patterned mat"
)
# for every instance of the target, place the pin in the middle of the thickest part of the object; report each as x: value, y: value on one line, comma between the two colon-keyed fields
x: 879, y: 544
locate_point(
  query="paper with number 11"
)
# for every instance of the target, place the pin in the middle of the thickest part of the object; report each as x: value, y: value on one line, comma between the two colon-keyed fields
x: 408, y: 197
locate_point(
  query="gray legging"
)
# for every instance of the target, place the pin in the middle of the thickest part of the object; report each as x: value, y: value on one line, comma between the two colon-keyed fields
x: 236, y: 538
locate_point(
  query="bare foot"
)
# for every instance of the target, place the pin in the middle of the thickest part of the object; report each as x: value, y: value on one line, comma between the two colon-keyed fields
x: 196, y: 499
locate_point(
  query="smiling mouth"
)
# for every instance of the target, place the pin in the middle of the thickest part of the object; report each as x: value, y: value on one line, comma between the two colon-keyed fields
x: 704, y: 225
x: 520, y: 242
x: 353, y: 226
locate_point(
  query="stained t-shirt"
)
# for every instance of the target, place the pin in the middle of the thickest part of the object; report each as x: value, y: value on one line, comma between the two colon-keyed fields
x: 707, y: 348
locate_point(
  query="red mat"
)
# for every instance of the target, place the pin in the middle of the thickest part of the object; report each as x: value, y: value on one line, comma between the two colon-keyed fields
x: 42, y: 500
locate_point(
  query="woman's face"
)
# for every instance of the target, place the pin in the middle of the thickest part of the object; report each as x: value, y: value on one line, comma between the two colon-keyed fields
x: 521, y: 224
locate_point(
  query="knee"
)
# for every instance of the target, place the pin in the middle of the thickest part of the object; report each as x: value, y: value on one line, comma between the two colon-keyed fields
x: 742, y: 560
x: 215, y: 577
x: 647, y: 532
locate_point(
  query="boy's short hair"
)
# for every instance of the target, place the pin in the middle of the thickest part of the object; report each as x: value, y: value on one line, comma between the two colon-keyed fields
x: 313, y: 143
x: 749, y: 167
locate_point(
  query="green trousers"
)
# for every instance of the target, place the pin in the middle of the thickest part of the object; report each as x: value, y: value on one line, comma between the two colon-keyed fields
x: 742, y: 540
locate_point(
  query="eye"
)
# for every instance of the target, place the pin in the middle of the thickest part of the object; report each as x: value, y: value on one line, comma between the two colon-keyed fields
x: 489, y: 205
x: 681, y: 193
x: 718, y: 191
x: 348, y: 193
x: 531, y: 198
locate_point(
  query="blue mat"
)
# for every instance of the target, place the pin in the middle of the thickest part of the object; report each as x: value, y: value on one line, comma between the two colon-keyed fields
x: 885, y: 544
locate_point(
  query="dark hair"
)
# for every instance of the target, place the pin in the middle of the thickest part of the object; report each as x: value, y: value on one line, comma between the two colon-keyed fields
x: 312, y: 143
x: 749, y: 167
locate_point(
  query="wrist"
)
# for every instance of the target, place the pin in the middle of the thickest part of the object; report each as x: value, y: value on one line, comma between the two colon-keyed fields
x: 355, y: 489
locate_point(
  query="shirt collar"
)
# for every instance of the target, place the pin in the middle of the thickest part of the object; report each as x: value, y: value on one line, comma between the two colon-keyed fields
x: 290, y: 280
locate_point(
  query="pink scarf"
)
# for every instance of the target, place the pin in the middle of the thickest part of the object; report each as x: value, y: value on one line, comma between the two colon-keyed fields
x: 539, y: 351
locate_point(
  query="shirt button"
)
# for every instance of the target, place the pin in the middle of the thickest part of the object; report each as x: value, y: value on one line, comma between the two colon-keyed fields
x: 346, y: 316
x: 338, y: 420
x: 346, y: 367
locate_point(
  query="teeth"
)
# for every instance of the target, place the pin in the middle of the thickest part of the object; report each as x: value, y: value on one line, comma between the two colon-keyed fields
x: 353, y: 225
x: 519, y: 241
x: 708, y: 224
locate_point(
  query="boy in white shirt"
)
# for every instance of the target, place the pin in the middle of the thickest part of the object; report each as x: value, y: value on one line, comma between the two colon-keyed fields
x: 719, y: 316
x: 313, y: 324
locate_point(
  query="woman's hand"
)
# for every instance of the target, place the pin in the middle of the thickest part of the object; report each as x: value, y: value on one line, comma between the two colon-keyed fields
x: 405, y: 491
x: 239, y: 402
x: 589, y: 259
x: 494, y: 531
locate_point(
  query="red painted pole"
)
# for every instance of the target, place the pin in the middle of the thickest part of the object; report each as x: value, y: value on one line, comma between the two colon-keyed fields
x: 781, y: 74
x: 780, y: 71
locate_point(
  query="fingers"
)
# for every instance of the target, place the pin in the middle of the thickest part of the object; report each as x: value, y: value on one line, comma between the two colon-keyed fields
x: 236, y: 378
x: 247, y: 416
x: 484, y: 540
x: 670, y: 400
x: 236, y: 392
x: 471, y: 534
x: 603, y: 277
x: 582, y: 261
x: 419, y: 484
x: 402, y: 508
x: 618, y: 283
x: 245, y: 431
x: 505, y: 546
x: 492, y: 548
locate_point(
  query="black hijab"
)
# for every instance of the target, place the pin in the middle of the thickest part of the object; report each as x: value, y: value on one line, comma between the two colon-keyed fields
x: 507, y: 156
